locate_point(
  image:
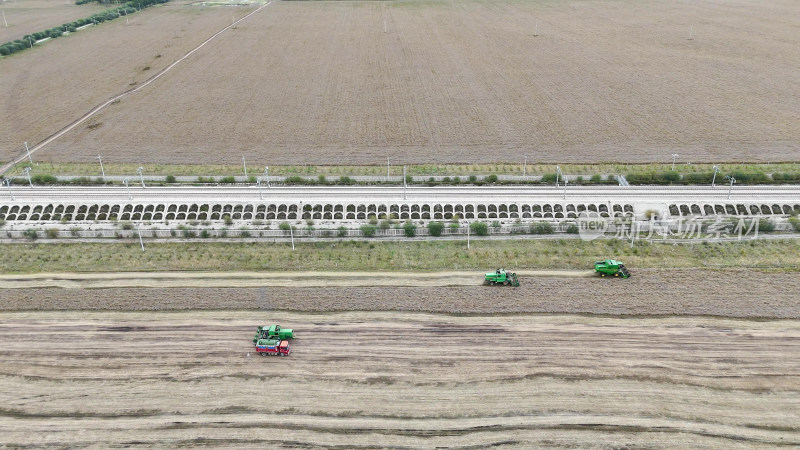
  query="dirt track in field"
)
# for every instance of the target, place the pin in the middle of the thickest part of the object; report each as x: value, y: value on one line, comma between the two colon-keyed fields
x: 397, y: 379
x: 261, y: 279
x: 727, y: 293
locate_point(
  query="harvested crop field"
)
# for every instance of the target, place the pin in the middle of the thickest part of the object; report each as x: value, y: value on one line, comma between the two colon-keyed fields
x: 29, y: 16
x: 729, y: 293
x: 433, y: 81
x: 397, y: 379
x: 38, y: 100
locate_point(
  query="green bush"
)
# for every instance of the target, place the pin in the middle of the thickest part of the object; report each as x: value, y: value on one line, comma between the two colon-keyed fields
x: 765, y: 226
x: 794, y: 221
x: 368, y: 230
x: 479, y: 228
x: 435, y: 228
x: 227, y: 219
x: 491, y: 178
x: 549, y: 178
x: 542, y: 228
x: 473, y: 178
x: 171, y: 179
x: 31, y: 234
x: 410, y: 229
x: 572, y: 229
x: 51, y: 233
x: 294, y: 179
x: 342, y: 231
x: 750, y: 177
x: 284, y: 226
x: 227, y: 180
x: 205, y: 234
x: 373, y: 219
x: 126, y: 225
x: 322, y: 180
x: 43, y: 179
x: 244, y: 232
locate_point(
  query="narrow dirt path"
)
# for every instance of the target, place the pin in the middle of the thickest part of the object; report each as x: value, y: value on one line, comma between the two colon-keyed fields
x: 261, y: 279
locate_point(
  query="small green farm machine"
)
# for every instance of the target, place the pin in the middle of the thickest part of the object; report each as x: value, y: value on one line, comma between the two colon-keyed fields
x: 611, y: 268
x: 501, y: 276
x: 273, y: 340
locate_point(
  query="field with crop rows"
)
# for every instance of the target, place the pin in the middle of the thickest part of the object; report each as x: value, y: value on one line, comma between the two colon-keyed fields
x: 472, y: 81
x: 168, y: 379
x: 29, y: 16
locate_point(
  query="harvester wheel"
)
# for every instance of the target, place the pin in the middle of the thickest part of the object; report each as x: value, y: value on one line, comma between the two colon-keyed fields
x: 492, y: 283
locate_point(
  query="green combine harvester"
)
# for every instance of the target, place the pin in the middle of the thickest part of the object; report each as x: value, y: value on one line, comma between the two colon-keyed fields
x: 501, y: 276
x: 273, y: 332
x: 611, y: 268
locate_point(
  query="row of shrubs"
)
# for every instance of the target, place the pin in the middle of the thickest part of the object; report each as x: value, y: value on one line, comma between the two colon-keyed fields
x: 30, y: 39
x: 666, y: 178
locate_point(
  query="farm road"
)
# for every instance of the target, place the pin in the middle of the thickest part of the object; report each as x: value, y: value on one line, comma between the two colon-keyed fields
x: 259, y: 279
x: 167, y: 379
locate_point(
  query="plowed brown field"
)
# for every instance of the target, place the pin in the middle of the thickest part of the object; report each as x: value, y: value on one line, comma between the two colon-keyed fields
x: 425, y: 81
x: 365, y: 379
x: 732, y: 293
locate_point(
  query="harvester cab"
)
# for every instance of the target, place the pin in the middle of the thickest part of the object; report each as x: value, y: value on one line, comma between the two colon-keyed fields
x: 611, y: 268
x: 501, y: 276
x: 273, y: 331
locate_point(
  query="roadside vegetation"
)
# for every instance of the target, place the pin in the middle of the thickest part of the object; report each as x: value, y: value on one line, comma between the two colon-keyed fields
x: 391, y: 256
x: 593, y: 174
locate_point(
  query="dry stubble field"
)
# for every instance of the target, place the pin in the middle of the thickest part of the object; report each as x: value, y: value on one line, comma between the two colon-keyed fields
x: 397, y: 379
x: 47, y: 88
x: 467, y: 81
x: 728, y: 293
x: 29, y: 16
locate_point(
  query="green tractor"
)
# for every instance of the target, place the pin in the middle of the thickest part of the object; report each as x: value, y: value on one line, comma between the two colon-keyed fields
x: 501, y: 276
x: 273, y: 332
x: 611, y: 268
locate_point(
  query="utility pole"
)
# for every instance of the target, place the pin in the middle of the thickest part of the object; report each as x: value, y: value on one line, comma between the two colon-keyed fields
x: 733, y: 180
x: 714, y: 178
x: 404, y: 182
x: 633, y: 231
x: 558, y: 172
x: 467, y: 236
x: 4, y: 19
x: 141, y: 177
x: 674, y: 155
x: 102, y: 170
x: 245, y: 166
x: 139, y: 230
x: 128, y: 187
x: 266, y: 174
x: 260, y: 195
x: 387, y: 169
x: 525, y: 167
x: 10, y: 192
x: 29, y: 152
x: 28, y: 173
x: 291, y: 233
x: 565, y: 188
